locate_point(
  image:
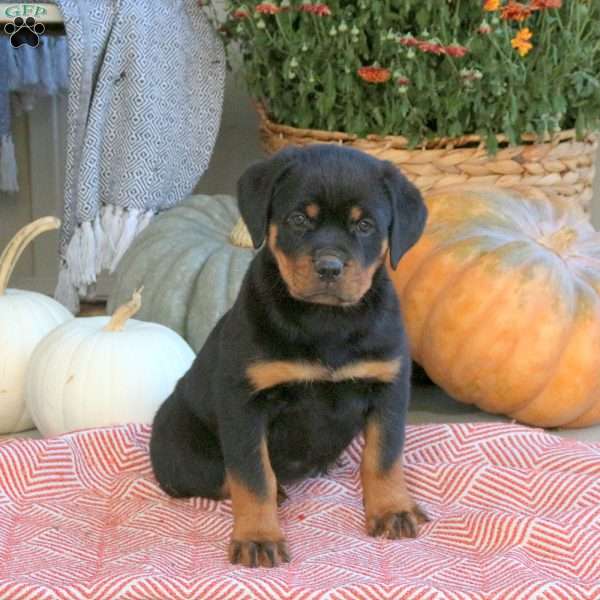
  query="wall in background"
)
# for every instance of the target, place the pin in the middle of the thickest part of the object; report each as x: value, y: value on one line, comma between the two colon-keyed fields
x: 238, y: 144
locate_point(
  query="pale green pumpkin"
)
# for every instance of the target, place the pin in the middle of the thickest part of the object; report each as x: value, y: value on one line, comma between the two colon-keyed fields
x: 190, y: 270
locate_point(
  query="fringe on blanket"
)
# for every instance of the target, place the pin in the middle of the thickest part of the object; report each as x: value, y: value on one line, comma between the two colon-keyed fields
x: 97, y: 246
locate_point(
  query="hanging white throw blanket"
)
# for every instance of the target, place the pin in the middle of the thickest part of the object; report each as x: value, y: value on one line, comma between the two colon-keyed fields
x: 145, y: 101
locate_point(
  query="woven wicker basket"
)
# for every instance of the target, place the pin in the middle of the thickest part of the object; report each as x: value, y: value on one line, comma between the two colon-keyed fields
x: 561, y: 166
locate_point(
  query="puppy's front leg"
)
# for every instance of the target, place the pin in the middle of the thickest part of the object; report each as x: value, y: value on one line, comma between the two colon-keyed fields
x: 257, y: 538
x: 390, y: 511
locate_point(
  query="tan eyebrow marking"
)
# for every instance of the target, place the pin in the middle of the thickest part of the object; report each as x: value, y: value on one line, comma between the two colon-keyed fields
x: 312, y: 210
x: 267, y: 374
x: 356, y: 213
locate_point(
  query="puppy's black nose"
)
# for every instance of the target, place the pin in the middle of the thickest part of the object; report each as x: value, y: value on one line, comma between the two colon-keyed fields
x: 329, y: 268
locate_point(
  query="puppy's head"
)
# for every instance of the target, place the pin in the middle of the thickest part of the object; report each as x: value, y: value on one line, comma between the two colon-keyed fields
x: 329, y: 215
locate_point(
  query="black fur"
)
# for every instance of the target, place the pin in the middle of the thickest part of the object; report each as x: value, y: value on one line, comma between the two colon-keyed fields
x: 213, y: 419
x: 409, y: 213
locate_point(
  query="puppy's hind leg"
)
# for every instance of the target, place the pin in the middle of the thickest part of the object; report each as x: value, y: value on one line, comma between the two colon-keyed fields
x: 186, y: 455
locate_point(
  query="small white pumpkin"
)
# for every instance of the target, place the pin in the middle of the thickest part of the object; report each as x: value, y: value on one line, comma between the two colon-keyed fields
x: 25, y: 318
x: 100, y: 371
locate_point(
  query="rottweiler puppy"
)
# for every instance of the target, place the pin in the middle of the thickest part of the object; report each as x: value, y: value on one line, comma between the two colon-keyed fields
x: 312, y: 352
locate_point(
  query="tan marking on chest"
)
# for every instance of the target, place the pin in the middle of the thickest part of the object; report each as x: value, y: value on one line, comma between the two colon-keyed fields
x: 267, y: 374
x: 380, y: 370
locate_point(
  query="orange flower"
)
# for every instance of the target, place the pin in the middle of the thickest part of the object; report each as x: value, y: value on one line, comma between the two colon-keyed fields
x: 491, y: 5
x: 374, y: 74
x: 521, y: 41
x: 543, y: 4
x: 516, y: 11
x: 266, y: 8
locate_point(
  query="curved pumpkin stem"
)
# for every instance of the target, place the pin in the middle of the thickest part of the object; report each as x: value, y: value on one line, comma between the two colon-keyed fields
x: 240, y: 236
x: 125, y: 312
x: 17, y: 245
x: 560, y: 240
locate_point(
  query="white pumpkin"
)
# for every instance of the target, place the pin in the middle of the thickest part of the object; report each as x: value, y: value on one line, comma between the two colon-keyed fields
x: 25, y: 318
x: 100, y: 371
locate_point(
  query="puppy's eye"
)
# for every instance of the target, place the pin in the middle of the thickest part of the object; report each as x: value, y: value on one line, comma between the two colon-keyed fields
x: 364, y: 226
x: 298, y: 220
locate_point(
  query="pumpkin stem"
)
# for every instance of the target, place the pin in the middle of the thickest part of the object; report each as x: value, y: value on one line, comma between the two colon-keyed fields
x: 240, y: 236
x: 17, y: 245
x: 125, y: 312
x: 560, y: 240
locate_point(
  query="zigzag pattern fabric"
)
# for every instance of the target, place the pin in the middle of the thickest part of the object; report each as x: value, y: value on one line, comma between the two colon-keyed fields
x: 146, y: 91
x: 515, y: 516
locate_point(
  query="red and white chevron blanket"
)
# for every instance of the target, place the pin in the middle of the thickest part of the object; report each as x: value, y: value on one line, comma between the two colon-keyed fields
x: 515, y: 515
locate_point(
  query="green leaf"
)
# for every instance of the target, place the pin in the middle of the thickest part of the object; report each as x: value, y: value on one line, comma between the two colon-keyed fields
x: 514, y: 110
x: 559, y: 104
x: 378, y: 116
x: 423, y: 18
x: 491, y: 143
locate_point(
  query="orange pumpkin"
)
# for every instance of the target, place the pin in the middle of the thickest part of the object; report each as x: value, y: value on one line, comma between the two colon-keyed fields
x: 501, y: 298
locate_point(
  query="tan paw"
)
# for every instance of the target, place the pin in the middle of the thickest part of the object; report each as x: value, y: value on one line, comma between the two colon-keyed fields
x: 258, y: 553
x: 395, y: 525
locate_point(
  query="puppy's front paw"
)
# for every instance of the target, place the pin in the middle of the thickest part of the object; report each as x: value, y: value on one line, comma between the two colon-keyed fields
x: 258, y: 553
x: 395, y: 525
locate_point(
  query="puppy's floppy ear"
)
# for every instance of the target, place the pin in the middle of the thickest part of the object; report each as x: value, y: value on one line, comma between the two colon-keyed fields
x: 408, y: 212
x: 255, y: 191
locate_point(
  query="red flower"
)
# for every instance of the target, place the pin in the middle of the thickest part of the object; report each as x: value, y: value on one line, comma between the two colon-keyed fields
x: 431, y: 47
x: 321, y: 10
x: 515, y: 11
x: 456, y: 50
x: 403, y: 81
x: 374, y: 74
x: 409, y: 41
x: 266, y: 8
x: 543, y: 4
x: 240, y: 14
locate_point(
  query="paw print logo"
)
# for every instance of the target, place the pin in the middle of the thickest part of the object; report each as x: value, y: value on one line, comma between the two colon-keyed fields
x: 24, y: 31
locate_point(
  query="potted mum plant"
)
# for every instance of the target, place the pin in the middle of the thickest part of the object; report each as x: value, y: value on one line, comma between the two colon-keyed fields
x: 495, y: 92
